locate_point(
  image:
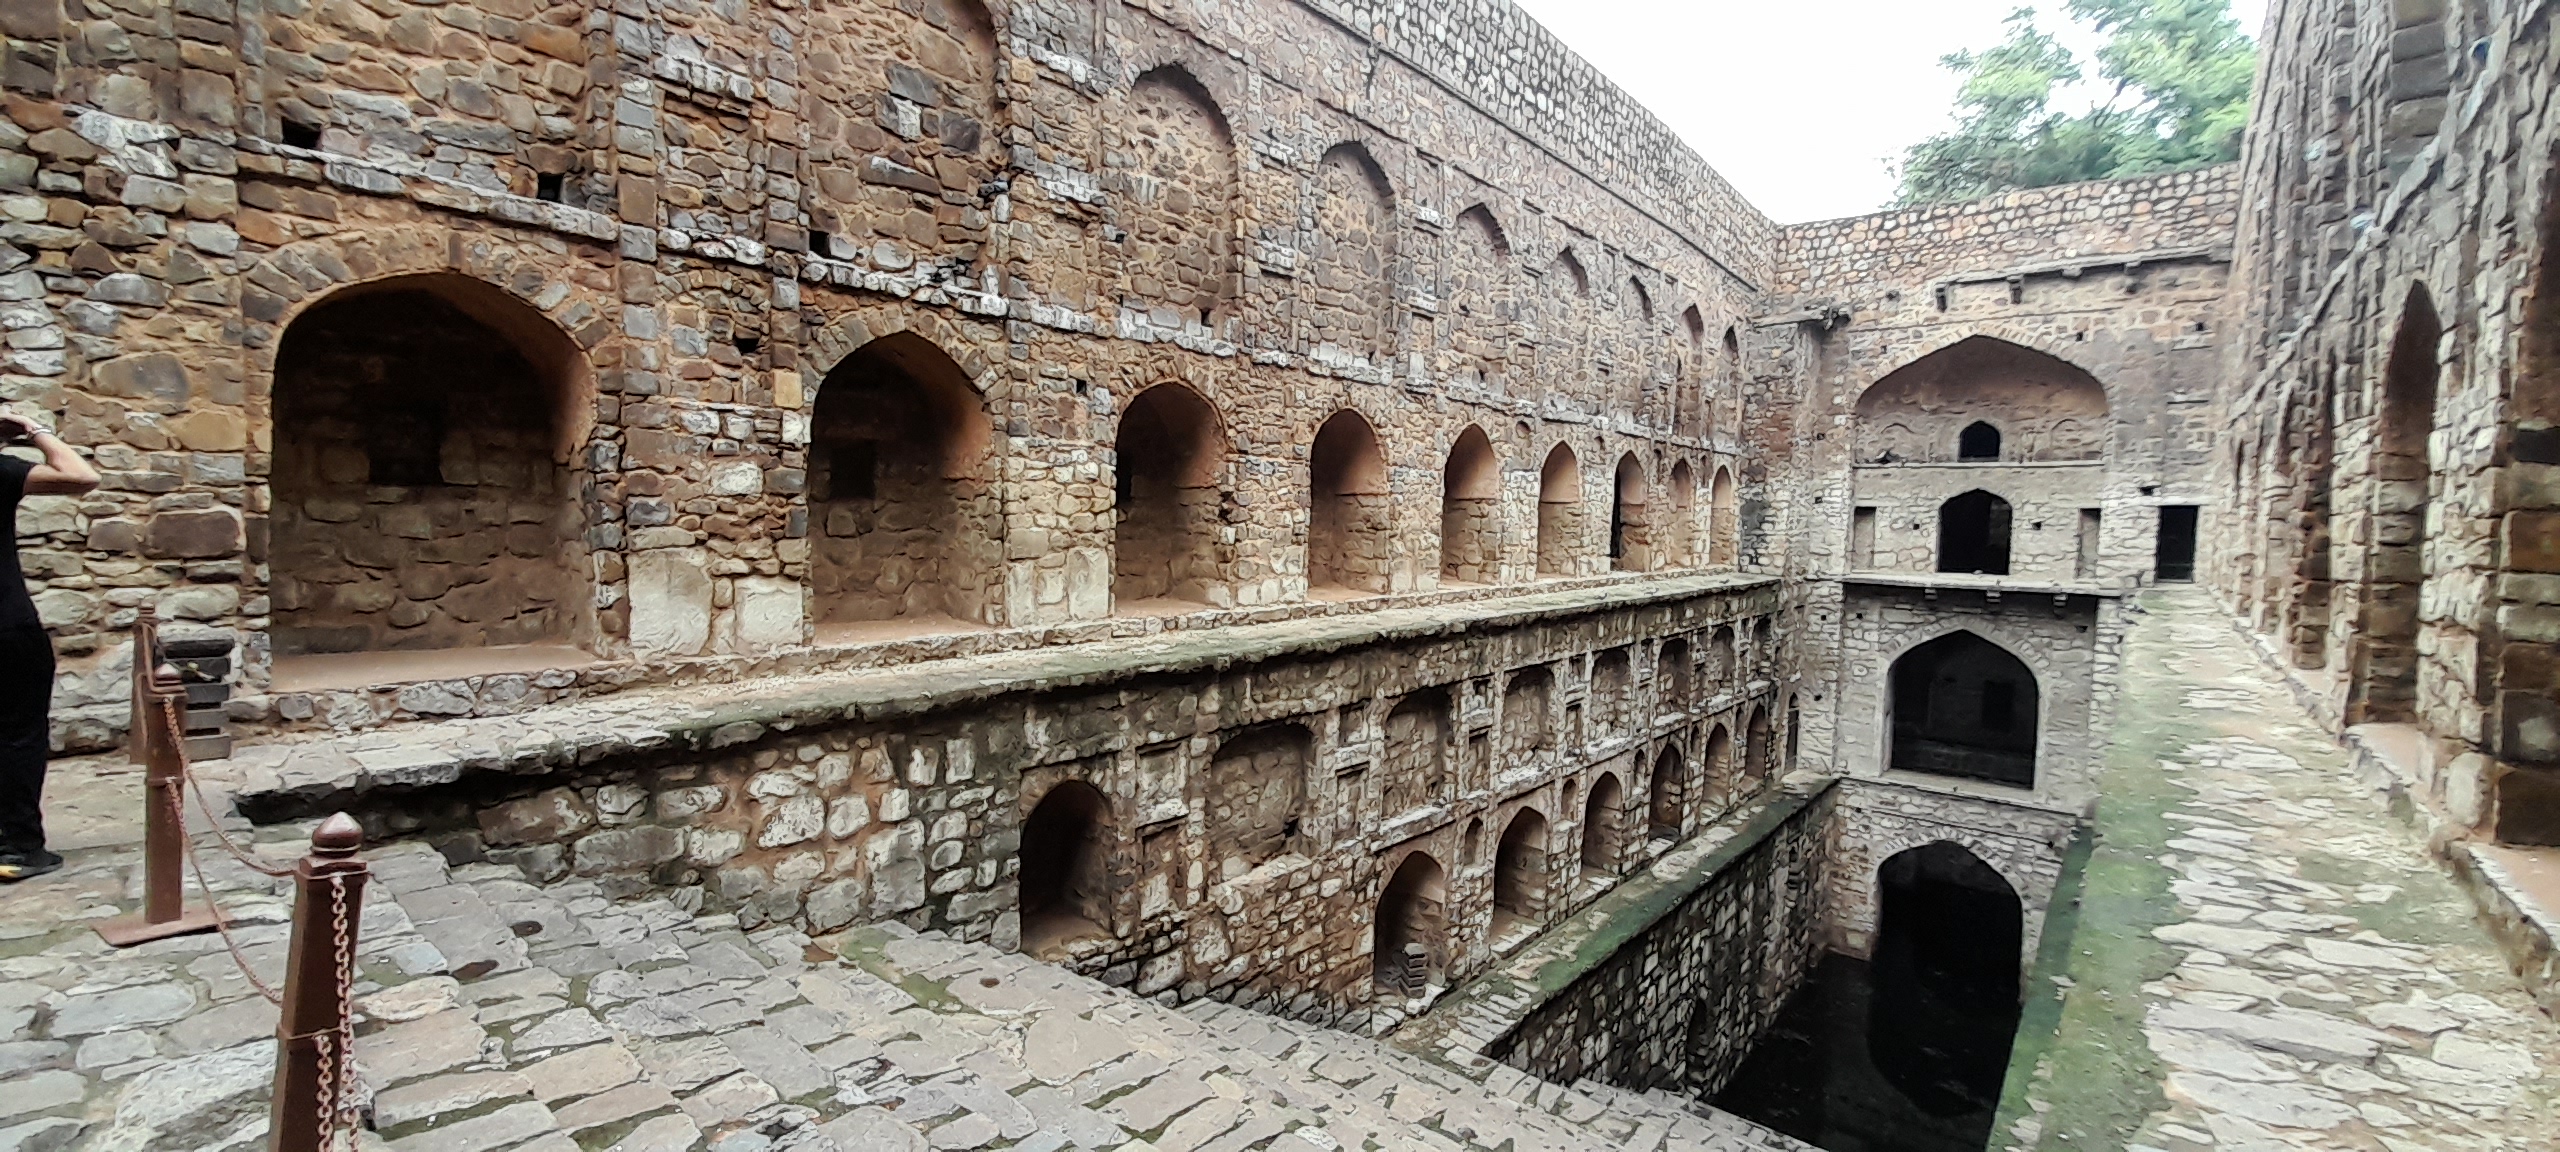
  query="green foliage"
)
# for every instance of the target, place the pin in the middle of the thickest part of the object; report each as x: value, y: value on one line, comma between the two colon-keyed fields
x: 2180, y: 72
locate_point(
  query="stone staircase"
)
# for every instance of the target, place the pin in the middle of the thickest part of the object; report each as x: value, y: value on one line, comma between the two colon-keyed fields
x: 501, y: 1015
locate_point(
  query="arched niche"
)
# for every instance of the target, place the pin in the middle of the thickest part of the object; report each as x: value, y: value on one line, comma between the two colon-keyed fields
x: 1917, y: 413
x: 1667, y: 798
x: 1963, y: 706
x: 1630, y: 529
x: 1973, y: 534
x: 1410, y: 942
x: 1417, y: 752
x: 1169, y: 461
x: 1353, y: 289
x: 1724, y: 519
x: 2385, y: 655
x: 1520, y: 874
x: 1349, y: 523
x: 1683, y: 545
x: 1176, y: 200
x: 426, y: 435
x: 1471, y: 511
x: 902, y: 523
x: 1560, y: 513
x: 1600, y: 840
x: 1066, y: 889
x: 1257, y: 796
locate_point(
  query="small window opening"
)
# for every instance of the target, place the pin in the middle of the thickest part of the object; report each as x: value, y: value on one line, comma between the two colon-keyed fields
x: 300, y: 135
x: 822, y: 244
x: 551, y: 186
x: 747, y: 345
x: 1979, y: 441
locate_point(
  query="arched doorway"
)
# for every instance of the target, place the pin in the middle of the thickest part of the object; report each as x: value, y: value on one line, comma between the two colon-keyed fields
x: 1715, y: 768
x: 1471, y: 511
x: 1683, y: 546
x: 2386, y: 649
x: 1973, y: 534
x: 1672, y: 677
x: 1520, y: 874
x: 1663, y: 813
x: 1347, y: 526
x: 1755, y: 747
x: 1724, y: 521
x: 1600, y: 827
x: 1964, y: 706
x: 1065, y: 885
x: 1410, y: 937
x: 1168, y: 461
x: 901, y: 525
x: 1945, y: 980
x: 426, y: 435
x: 1560, y: 514
x: 1630, y: 537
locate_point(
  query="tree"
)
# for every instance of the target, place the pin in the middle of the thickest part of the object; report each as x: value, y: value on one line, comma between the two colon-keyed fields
x: 2180, y: 71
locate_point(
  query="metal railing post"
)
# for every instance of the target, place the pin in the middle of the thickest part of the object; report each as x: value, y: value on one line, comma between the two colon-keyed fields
x: 315, y: 1028
x: 164, y: 823
x: 146, y: 651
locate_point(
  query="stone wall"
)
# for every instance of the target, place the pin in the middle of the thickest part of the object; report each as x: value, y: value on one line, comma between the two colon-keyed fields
x: 693, y: 223
x: 2025, y: 844
x: 2385, y: 481
x: 1676, y: 998
x: 1255, y: 800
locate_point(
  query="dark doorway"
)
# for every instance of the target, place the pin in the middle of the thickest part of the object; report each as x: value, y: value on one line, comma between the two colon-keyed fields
x: 1973, y: 534
x: 1065, y: 892
x: 1963, y: 706
x: 1978, y: 441
x: 2174, y: 556
x: 1906, y: 1051
x: 1410, y: 932
x: 1520, y: 874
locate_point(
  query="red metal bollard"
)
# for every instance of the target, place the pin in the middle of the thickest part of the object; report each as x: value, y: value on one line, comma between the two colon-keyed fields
x: 316, y: 1027
x: 164, y: 825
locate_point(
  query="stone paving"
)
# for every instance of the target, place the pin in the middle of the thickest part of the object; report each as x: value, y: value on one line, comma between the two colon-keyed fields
x: 497, y: 1014
x: 2325, y: 985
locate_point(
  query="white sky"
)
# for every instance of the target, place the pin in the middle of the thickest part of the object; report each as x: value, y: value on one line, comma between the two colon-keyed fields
x: 1799, y: 105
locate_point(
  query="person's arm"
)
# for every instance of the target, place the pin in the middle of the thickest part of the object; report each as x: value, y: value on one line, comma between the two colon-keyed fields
x: 63, y: 472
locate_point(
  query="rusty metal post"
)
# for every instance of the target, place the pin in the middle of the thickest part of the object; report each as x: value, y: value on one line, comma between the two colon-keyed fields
x: 164, y: 824
x: 315, y: 1027
x: 146, y: 652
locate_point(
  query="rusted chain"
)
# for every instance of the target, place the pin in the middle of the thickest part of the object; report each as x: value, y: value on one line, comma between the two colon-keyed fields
x: 186, y: 771
x: 221, y: 923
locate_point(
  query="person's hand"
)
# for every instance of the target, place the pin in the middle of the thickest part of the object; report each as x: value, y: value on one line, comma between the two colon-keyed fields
x: 16, y: 429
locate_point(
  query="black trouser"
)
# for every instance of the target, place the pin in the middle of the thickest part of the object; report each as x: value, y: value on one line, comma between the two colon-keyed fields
x: 26, y: 694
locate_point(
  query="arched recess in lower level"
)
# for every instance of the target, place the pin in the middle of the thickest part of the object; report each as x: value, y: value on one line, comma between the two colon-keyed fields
x: 1066, y: 893
x: 1630, y: 527
x: 1755, y: 747
x: 1560, y: 514
x: 1600, y: 840
x: 1471, y: 511
x: 1411, y: 933
x: 1665, y: 811
x: 1520, y: 874
x: 1963, y: 706
x: 1724, y: 521
x: 1945, y: 974
x: 1348, y: 523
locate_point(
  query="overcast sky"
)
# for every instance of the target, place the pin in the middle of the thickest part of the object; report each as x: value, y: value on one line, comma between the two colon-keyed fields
x: 1799, y: 105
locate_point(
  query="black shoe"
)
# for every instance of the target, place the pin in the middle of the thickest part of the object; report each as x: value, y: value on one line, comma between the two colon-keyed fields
x: 18, y: 864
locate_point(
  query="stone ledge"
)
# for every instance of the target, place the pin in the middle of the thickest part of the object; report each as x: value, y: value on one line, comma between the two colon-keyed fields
x: 2511, y: 886
x: 1470, y: 1019
x: 290, y: 777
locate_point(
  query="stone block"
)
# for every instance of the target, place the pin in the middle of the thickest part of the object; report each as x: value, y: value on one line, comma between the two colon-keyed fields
x: 670, y: 601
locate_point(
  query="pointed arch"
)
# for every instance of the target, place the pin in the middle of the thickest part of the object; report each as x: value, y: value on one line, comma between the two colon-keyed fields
x: 1630, y: 534
x: 1683, y: 546
x: 2385, y: 656
x: 1471, y: 510
x: 1600, y: 814
x: 1178, y: 196
x: 1950, y: 946
x: 1520, y: 874
x: 1567, y: 278
x: 1962, y: 705
x: 1715, y: 769
x: 2047, y: 408
x: 1973, y: 533
x: 1409, y: 947
x: 902, y: 521
x: 1355, y: 251
x: 1560, y: 513
x: 1665, y: 808
x: 1348, y: 526
x: 1169, y: 463
x: 1065, y: 888
x: 419, y: 399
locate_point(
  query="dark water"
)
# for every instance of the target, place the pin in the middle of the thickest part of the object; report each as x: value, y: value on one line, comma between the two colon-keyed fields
x: 1893, y: 1056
